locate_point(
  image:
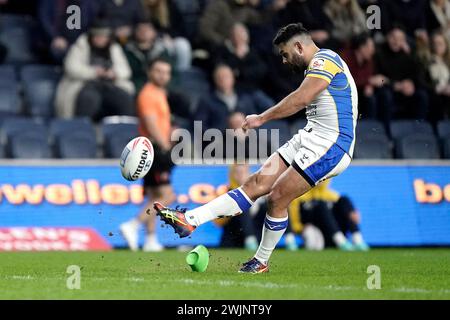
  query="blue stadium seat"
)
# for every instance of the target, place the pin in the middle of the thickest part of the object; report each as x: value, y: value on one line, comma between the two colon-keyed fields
x: 16, y: 35
x: 15, y: 125
x: 376, y: 146
x: 8, y: 74
x: 117, y: 132
x: 76, y: 145
x: 401, y: 128
x: 418, y: 146
x: 446, y: 147
x: 61, y: 126
x: 30, y: 145
x: 39, y: 84
x: 10, y: 102
x: 370, y: 127
x: 443, y: 129
x: 39, y: 71
x: 194, y: 83
x: 113, y: 147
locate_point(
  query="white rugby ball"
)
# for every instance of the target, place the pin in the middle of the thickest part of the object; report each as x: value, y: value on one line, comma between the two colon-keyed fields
x: 136, y: 159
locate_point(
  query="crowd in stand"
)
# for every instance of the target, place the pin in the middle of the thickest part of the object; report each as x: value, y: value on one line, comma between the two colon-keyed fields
x: 401, y: 67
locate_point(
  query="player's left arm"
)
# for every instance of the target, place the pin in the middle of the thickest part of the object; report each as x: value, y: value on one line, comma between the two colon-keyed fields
x: 291, y: 104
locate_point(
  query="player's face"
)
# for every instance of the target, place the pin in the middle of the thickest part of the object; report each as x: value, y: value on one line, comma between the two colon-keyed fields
x: 160, y: 74
x: 292, y: 55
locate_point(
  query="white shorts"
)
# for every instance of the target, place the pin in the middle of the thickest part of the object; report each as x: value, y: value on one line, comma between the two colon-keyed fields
x: 315, y: 158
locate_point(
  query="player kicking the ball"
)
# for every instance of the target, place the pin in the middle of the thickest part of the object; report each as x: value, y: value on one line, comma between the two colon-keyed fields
x: 321, y: 150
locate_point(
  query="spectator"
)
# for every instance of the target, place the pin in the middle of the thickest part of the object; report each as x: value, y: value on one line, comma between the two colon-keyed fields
x: 439, y: 72
x: 145, y: 47
x: 327, y: 217
x: 248, y: 67
x: 438, y: 16
x: 220, y: 16
x: 312, y: 16
x: 407, y: 13
x: 361, y: 64
x: 155, y: 123
x: 96, y: 78
x: 401, y: 71
x: 123, y: 15
x: 52, y: 18
x: 215, y: 109
x: 168, y: 21
x: 347, y: 18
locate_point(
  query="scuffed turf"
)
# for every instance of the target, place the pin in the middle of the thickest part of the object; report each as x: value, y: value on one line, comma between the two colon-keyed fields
x: 405, y: 274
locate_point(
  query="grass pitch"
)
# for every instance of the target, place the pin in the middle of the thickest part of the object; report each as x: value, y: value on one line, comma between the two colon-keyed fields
x: 405, y: 274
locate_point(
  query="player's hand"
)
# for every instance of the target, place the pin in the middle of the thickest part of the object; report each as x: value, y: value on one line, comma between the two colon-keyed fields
x: 252, y: 121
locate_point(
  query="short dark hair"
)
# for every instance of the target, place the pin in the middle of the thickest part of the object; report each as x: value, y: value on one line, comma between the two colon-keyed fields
x: 287, y: 32
x: 359, y: 40
x: 156, y: 60
x: 396, y: 26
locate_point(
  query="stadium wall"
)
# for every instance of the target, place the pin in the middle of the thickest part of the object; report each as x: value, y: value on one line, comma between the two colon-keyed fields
x: 402, y: 203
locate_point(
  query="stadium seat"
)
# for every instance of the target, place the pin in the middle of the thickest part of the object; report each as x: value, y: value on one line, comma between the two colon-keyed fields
x: 376, y: 146
x: 61, y: 126
x: 443, y: 129
x: 117, y: 132
x: 194, y: 83
x: 15, y: 125
x: 15, y: 34
x: 120, y: 119
x: 34, y: 72
x: 418, y: 146
x: 39, y: 84
x: 446, y: 147
x: 30, y: 145
x: 7, y: 74
x: 10, y: 102
x: 370, y: 127
x: 401, y: 128
x: 113, y: 147
x: 76, y: 145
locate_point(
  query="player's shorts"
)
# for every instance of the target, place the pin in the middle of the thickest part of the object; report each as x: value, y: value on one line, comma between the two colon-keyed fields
x: 161, y: 169
x: 315, y: 158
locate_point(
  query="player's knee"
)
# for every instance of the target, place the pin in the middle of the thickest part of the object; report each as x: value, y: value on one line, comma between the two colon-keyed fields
x: 256, y: 186
x: 274, y: 197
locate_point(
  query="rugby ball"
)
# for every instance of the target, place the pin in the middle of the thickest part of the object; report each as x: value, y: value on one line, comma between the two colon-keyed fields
x: 136, y: 159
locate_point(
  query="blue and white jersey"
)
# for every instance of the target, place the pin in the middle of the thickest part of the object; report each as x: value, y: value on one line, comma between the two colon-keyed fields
x: 333, y: 114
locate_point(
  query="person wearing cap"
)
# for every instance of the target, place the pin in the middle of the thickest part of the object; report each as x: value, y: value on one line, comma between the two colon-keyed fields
x: 96, y: 81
